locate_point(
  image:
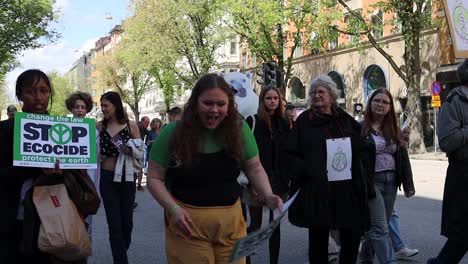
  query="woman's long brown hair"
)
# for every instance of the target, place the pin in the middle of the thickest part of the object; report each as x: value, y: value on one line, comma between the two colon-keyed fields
x: 263, y: 111
x: 391, y: 131
x: 187, y: 140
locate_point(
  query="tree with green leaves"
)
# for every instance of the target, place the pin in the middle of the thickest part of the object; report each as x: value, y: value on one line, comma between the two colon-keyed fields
x: 414, y: 16
x: 24, y: 25
x: 270, y: 27
x: 181, y: 39
x: 121, y: 73
x: 61, y: 92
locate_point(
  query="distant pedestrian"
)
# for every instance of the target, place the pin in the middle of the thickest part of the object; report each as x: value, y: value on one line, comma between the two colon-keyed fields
x: 11, y: 110
x: 193, y: 174
x: 143, y: 126
x: 290, y: 115
x: 175, y: 113
x: 452, y: 130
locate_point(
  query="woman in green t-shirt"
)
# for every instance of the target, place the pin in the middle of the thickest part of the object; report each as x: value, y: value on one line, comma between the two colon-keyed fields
x: 193, y: 173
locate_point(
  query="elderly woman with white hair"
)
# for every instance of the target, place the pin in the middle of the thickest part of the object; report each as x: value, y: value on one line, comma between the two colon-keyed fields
x: 325, y: 165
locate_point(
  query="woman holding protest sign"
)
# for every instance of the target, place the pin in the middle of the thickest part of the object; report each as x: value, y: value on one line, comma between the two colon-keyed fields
x: 324, y: 151
x: 193, y: 174
x: 34, y: 90
x: 117, y: 182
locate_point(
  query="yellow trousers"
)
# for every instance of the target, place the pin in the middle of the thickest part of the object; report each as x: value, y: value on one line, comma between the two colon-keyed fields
x: 214, y: 232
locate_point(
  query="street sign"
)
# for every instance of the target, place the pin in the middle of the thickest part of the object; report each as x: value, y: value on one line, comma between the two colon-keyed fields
x: 436, y: 88
x: 435, y: 102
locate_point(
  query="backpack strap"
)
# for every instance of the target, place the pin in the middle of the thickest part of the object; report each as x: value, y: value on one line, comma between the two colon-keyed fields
x: 251, y: 120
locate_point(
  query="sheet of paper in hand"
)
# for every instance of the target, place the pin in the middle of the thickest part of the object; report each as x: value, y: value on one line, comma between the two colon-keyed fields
x: 254, y: 240
x: 117, y: 140
x: 339, y: 157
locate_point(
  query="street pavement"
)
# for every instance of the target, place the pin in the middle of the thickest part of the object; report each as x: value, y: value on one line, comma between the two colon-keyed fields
x: 419, y: 220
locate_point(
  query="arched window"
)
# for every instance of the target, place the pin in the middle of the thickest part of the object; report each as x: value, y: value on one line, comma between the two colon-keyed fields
x: 297, y: 89
x: 374, y: 78
x: 338, y: 79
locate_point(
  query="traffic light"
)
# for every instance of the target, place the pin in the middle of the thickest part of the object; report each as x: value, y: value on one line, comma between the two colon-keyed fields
x: 271, y: 75
x: 279, y: 78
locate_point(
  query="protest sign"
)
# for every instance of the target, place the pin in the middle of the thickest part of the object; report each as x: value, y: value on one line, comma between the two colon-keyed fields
x: 254, y: 240
x: 41, y: 139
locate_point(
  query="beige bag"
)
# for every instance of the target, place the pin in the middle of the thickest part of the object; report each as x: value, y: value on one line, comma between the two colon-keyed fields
x: 62, y: 232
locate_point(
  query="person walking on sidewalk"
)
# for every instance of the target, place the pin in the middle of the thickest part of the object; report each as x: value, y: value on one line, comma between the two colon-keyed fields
x: 143, y: 127
x: 117, y: 182
x: 324, y: 161
x: 388, y: 166
x: 270, y: 131
x: 400, y: 248
x: 193, y: 174
x: 453, y: 140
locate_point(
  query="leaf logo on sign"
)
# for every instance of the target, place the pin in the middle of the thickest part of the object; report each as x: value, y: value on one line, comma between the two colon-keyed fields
x: 60, y: 134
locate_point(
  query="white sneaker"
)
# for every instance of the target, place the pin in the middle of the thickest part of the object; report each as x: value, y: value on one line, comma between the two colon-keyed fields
x: 406, y: 253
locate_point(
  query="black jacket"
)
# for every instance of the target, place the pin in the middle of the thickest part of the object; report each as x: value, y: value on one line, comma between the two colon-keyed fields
x: 270, y: 144
x: 403, y: 172
x: 452, y: 131
x: 323, y: 204
x: 11, y: 182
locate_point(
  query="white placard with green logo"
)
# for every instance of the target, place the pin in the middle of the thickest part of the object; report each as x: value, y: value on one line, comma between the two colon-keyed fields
x: 41, y: 139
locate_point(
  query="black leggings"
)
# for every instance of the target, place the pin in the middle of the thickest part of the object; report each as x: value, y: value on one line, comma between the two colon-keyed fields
x: 318, y: 245
x: 256, y: 214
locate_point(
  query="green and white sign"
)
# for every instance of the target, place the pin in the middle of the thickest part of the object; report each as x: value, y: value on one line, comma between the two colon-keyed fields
x: 41, y: 139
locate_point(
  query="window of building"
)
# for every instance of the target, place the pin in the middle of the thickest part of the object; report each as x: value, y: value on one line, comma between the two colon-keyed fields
x: 297, y: 89
x: 233, y: 48
x: 374, y: 78
x: 299, y: 51
x: 333, y: 44
x: 244, y: 60
x: 315, y: 6
x: 253, y: 60
x: 340, y: 85
x: 352, y: 25
x: 377, y: 24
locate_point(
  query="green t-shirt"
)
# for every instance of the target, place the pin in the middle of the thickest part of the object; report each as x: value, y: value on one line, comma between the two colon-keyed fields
x: 160, y: 149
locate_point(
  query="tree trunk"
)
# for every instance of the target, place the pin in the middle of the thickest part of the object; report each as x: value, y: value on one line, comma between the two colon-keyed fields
x: 413, y: 73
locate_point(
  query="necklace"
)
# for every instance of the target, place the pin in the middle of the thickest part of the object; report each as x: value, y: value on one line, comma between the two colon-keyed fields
x: 376, y: 132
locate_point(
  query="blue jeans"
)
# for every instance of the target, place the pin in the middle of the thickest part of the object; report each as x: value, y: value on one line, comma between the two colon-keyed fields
x: 380, y: 209
x: 394, y: 231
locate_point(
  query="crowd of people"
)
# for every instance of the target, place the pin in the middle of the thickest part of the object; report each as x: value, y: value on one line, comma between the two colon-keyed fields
x: 347, y: 173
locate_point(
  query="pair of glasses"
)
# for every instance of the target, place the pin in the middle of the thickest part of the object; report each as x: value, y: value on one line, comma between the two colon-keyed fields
x: 36, y: 92
x: 318, y: 92
x: 380, y: 102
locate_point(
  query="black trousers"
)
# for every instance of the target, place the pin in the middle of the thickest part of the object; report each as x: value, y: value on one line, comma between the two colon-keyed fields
x: 256, y: 215
x: 452, y: 252
x: 318, y: 245
x: 118, y: 199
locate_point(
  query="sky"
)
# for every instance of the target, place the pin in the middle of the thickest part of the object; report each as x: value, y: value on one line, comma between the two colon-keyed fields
x: 81, y: 23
